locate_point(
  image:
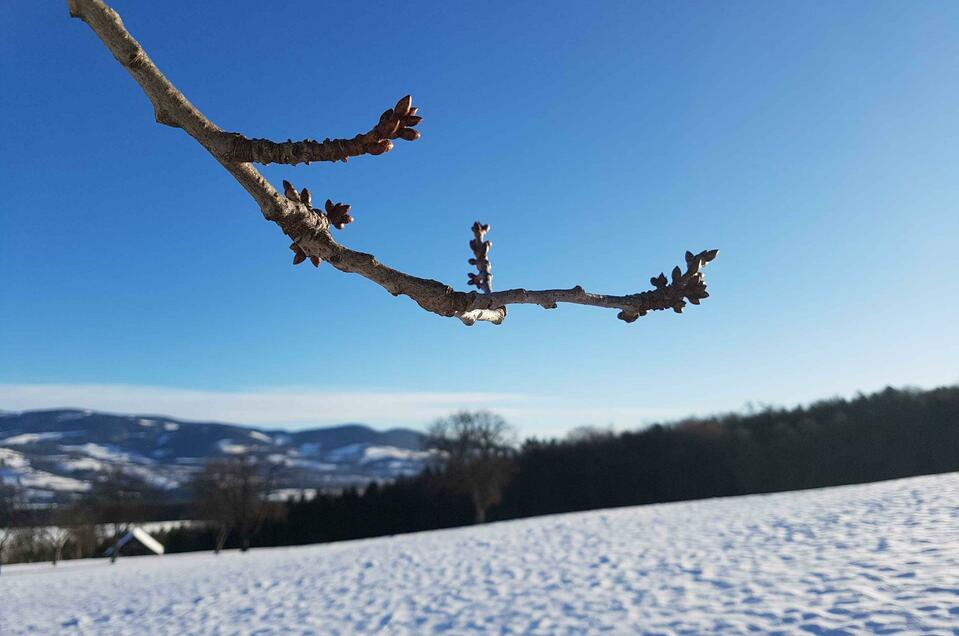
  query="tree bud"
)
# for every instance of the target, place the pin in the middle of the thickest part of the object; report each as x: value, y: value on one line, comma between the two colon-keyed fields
x: 403, y: 106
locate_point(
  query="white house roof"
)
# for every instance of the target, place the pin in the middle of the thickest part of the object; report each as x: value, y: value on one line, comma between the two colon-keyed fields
x: 140, y: 535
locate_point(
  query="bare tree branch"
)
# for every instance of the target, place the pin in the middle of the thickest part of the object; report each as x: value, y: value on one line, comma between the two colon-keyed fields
x: 476, y: 454
x: 396, y: 123
x: 481, y: 248
x: 310, y: 229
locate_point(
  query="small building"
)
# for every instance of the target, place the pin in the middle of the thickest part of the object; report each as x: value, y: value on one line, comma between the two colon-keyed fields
x: 136, y: 542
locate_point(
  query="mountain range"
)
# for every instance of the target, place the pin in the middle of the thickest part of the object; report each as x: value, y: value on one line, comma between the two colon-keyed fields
x: 55, y: 455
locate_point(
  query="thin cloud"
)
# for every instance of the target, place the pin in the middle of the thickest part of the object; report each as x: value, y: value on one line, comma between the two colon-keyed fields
x: 295, y: 408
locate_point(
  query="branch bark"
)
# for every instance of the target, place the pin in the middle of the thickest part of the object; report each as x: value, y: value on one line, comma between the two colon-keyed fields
x: 311, y: 232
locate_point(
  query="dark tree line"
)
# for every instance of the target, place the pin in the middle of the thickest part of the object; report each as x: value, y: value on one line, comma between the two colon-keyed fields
x: 887, y: 435
x: 890, y: 434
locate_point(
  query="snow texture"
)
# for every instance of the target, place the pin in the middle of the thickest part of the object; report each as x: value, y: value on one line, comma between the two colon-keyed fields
x: 876, y: 558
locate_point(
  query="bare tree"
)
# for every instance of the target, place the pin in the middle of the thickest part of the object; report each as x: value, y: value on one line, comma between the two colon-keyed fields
x: 80, y: 520
x: 57, y: 537
x: 11, y: 515
x: 477, y: 455
x: 231, y: 494
x: 310, y: 228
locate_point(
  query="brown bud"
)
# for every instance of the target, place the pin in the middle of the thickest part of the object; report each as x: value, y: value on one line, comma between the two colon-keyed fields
x: 408, y: 134
x: 290, y: 192
x: 389, y: 128
x: 315, y: 260
x: 627, y: 316
x: 342, y: 222
x: 328, y: 206
x: 380, y: 147
x: 403, y: 106
x: 387, y: 114
x: 412, y: 111
x: 677, y: 274
x: 339, y: 215
x: 306, y: 197
x: 411, y: 120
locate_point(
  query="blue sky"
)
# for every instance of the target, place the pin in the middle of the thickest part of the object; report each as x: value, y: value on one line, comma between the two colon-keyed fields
x: 814, y: 144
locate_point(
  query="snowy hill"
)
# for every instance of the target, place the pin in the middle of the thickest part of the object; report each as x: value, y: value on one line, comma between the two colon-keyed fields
x: 57, y: 453
x: 876, y: 558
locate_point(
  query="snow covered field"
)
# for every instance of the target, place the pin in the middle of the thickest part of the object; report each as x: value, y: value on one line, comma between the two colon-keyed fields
x: 877, y: 558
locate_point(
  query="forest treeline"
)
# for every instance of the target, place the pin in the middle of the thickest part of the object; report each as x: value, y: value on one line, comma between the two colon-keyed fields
x: 886, y: 435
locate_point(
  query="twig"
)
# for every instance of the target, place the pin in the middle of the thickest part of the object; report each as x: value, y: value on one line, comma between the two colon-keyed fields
x: 310, y: 231
x: 481, y: 248
x: 396, y: 123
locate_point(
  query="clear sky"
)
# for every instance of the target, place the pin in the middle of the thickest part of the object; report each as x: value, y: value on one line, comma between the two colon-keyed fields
x: 816, y: 144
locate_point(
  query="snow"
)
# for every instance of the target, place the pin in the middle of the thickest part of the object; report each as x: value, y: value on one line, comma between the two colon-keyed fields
x: 366, y: 454
x: 15, y: 468
x: 285, y: 494
x: 861, y: 559
x: 163, y: 526
x: 34, y: 479
x: 380, y: 453
x: 30, y: 438
x: 106, y: 453
x: 10, y: 458
x: 229, y: 447
x: 156, y: 479
x: 319, y: 467
x: 261, y: 437
x: 83, y: 464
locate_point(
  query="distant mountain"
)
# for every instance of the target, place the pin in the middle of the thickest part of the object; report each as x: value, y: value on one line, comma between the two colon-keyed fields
x: 56, y: 454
